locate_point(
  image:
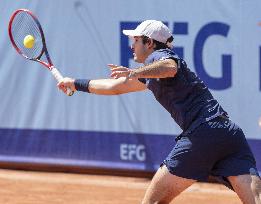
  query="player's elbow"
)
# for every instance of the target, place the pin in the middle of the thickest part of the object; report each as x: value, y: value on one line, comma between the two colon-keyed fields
x: 170, y: 67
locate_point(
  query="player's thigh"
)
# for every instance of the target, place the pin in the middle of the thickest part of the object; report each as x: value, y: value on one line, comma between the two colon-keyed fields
x: 165, y: 186
x: 248, y: 188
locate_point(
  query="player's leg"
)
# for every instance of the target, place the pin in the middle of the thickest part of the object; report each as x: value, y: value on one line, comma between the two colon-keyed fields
x: 165, y: 186
x: 238, y: 165
x: 185, y: 164
x: 247, y: 187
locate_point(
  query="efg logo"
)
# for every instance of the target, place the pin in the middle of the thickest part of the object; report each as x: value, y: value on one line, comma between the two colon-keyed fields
x: 132, y: 152
x: 206, y: 31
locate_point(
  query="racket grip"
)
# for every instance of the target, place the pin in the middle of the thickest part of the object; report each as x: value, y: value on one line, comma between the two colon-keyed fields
x: 58, y: 76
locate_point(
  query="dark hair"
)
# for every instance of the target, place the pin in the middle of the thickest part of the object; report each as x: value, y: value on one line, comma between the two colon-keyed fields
x: 159, y: 45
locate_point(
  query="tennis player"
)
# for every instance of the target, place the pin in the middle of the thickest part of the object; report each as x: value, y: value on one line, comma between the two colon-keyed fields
x: 210, y: 144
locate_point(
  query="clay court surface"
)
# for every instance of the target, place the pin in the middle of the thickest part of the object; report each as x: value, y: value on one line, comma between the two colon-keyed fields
x: 27, y: 187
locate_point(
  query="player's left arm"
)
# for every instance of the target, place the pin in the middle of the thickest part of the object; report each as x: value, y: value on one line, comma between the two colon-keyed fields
x: 158, y: 69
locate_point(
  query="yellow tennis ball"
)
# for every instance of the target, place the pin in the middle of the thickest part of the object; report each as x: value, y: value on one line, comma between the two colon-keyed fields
x: 29, y: 41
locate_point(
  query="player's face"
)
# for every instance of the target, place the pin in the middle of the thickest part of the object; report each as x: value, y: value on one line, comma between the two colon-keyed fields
x: 140, y: 50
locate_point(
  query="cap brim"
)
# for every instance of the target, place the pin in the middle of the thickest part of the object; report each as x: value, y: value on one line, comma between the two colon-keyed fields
x: 132, y: 33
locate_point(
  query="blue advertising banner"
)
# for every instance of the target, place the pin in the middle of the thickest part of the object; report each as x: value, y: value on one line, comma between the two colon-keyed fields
x: 108, y: 150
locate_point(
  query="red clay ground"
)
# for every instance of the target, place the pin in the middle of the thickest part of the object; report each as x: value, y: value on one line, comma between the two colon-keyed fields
x: 26, y: 187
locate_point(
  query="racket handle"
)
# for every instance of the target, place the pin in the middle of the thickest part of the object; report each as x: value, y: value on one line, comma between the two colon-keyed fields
x: 57, y: 75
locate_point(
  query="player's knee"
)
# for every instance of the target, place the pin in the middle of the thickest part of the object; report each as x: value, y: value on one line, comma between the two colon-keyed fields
x: 256, y: 187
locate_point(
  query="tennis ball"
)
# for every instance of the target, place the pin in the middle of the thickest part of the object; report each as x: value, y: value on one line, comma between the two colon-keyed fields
x: 29, y: 41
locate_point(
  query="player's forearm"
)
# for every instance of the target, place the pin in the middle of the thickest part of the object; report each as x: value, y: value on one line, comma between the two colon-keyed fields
x: 103, y: 87
x: 159, y: 69
x: 100, y: 86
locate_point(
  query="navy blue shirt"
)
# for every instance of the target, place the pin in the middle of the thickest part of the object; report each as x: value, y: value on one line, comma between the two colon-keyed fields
x: 184, y: 96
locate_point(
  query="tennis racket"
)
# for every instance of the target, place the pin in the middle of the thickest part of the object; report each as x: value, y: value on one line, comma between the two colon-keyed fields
x: 24, y: 24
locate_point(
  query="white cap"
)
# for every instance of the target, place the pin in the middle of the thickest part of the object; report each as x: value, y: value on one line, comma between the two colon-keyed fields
x: 151, y: 28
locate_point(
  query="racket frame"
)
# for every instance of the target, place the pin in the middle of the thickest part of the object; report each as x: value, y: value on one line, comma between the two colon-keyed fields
x: 48, y: 65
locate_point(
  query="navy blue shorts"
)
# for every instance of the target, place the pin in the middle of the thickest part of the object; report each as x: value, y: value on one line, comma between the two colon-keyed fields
x: 216, y: 148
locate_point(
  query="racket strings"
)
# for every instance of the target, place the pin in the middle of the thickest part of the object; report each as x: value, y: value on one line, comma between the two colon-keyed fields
x: 23, y: 25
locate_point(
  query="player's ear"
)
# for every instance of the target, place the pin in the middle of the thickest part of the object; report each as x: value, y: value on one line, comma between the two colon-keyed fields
x: 150, y: 43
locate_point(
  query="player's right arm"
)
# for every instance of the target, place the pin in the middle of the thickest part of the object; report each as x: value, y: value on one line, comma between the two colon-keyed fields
x: 105, y: 86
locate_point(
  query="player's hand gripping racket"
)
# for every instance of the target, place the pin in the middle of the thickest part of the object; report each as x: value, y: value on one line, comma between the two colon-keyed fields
x: 27, y: 37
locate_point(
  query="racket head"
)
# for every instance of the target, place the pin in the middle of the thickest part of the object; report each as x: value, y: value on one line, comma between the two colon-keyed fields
x: 23, y: 23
